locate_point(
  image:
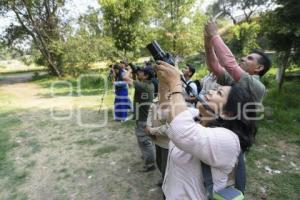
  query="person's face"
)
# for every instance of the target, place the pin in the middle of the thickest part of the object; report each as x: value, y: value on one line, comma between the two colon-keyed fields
x: 186, y: 71
x: 140, y: 75
x: 122, y: 65
x: 250, y: 64
x: 216, y: 99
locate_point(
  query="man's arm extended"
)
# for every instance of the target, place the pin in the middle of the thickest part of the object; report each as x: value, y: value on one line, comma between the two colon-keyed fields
x: 223, y: 53
x: 212, y: 60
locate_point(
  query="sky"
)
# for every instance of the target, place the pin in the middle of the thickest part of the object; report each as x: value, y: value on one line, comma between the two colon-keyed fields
x: 79, y: 7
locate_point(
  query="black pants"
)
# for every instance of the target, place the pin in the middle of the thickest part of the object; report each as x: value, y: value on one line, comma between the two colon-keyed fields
x: 161, y: 159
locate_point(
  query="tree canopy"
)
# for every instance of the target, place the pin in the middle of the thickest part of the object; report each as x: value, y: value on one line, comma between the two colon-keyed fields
x: 39, y: 21
x: 282, y: 29
x: 121, y: 29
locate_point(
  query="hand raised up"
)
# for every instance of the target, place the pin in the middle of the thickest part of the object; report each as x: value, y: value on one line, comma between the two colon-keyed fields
x: 168, y: 74
x: 210, y: 29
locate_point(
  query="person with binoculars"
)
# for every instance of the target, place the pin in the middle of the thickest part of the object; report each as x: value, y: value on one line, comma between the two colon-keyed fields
x: 122, y: 103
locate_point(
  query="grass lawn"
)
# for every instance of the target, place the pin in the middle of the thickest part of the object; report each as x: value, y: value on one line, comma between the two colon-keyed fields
x: 274, y: 162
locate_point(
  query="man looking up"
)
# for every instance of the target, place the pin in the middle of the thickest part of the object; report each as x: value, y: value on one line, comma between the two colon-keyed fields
x: 143, y: 97
x: 188, y: 72
x: 222, y: 63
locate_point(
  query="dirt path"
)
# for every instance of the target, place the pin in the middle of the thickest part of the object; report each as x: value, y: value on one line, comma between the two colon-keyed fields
x: 62, y: 154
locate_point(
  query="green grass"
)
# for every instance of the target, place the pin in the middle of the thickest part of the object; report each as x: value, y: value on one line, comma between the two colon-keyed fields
x: 87, y: 142
x: 277, y: 146
x: 22, y: 71
x: 8, y: 172
x: 70, y: 86
x: 34, y: 145
x: 105, y: 150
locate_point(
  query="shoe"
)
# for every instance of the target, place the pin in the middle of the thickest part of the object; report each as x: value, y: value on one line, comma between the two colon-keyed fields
x: 148, y: 169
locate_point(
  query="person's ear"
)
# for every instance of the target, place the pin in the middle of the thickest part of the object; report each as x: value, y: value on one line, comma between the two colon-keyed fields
x: 258, y: 69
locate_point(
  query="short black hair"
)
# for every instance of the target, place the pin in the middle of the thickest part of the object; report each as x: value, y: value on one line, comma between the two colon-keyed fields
x: 116, y: 66
x: 148, y: 72
x: 124, y: 62
x: 263, y: 60
x: 191, y: 68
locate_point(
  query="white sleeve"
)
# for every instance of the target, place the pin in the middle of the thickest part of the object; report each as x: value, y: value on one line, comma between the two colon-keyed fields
x: 218, y: 147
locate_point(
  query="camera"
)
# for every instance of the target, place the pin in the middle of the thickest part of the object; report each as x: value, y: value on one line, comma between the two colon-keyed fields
x: 159, y: 54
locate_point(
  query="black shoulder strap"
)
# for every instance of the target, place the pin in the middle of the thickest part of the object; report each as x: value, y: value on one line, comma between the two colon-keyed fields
x: 240, y: 176
x: 208, y: 181
x: 188, y: 88
x: 198, y: 84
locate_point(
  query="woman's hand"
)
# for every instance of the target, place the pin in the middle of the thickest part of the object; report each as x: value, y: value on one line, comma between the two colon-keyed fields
x: 168, y: 75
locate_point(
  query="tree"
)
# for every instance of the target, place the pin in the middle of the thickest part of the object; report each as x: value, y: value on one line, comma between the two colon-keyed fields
x: 248, y: 7
x: 242, y: 38
x: 39, y: 21
x: 125, y: 20
x: 282, y: 29
x: 174, y: 16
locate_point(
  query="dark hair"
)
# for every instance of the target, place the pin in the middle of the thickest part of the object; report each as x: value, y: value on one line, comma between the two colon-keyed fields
x: 124, y: 62
x: 263, y: 60
x: 243, y: 125
x: 191, y: 69
x: 149, y: 73
x: 116, y: 66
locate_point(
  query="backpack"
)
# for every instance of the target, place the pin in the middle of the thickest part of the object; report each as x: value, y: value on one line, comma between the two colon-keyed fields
x: 198, y: 84
x: 228, y: 193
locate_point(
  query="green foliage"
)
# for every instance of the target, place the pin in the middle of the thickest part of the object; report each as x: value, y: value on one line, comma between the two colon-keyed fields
x: 243, y: 38
x: 124, y: 20
x: 179, y: 29
x: 282, y: 27
x: 37, y: 20
x: 248, y: 8
x: 81, y: 50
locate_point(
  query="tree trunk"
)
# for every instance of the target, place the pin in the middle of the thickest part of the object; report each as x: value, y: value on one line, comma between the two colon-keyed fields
x: 282, y: 68
x: 37, y: 39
